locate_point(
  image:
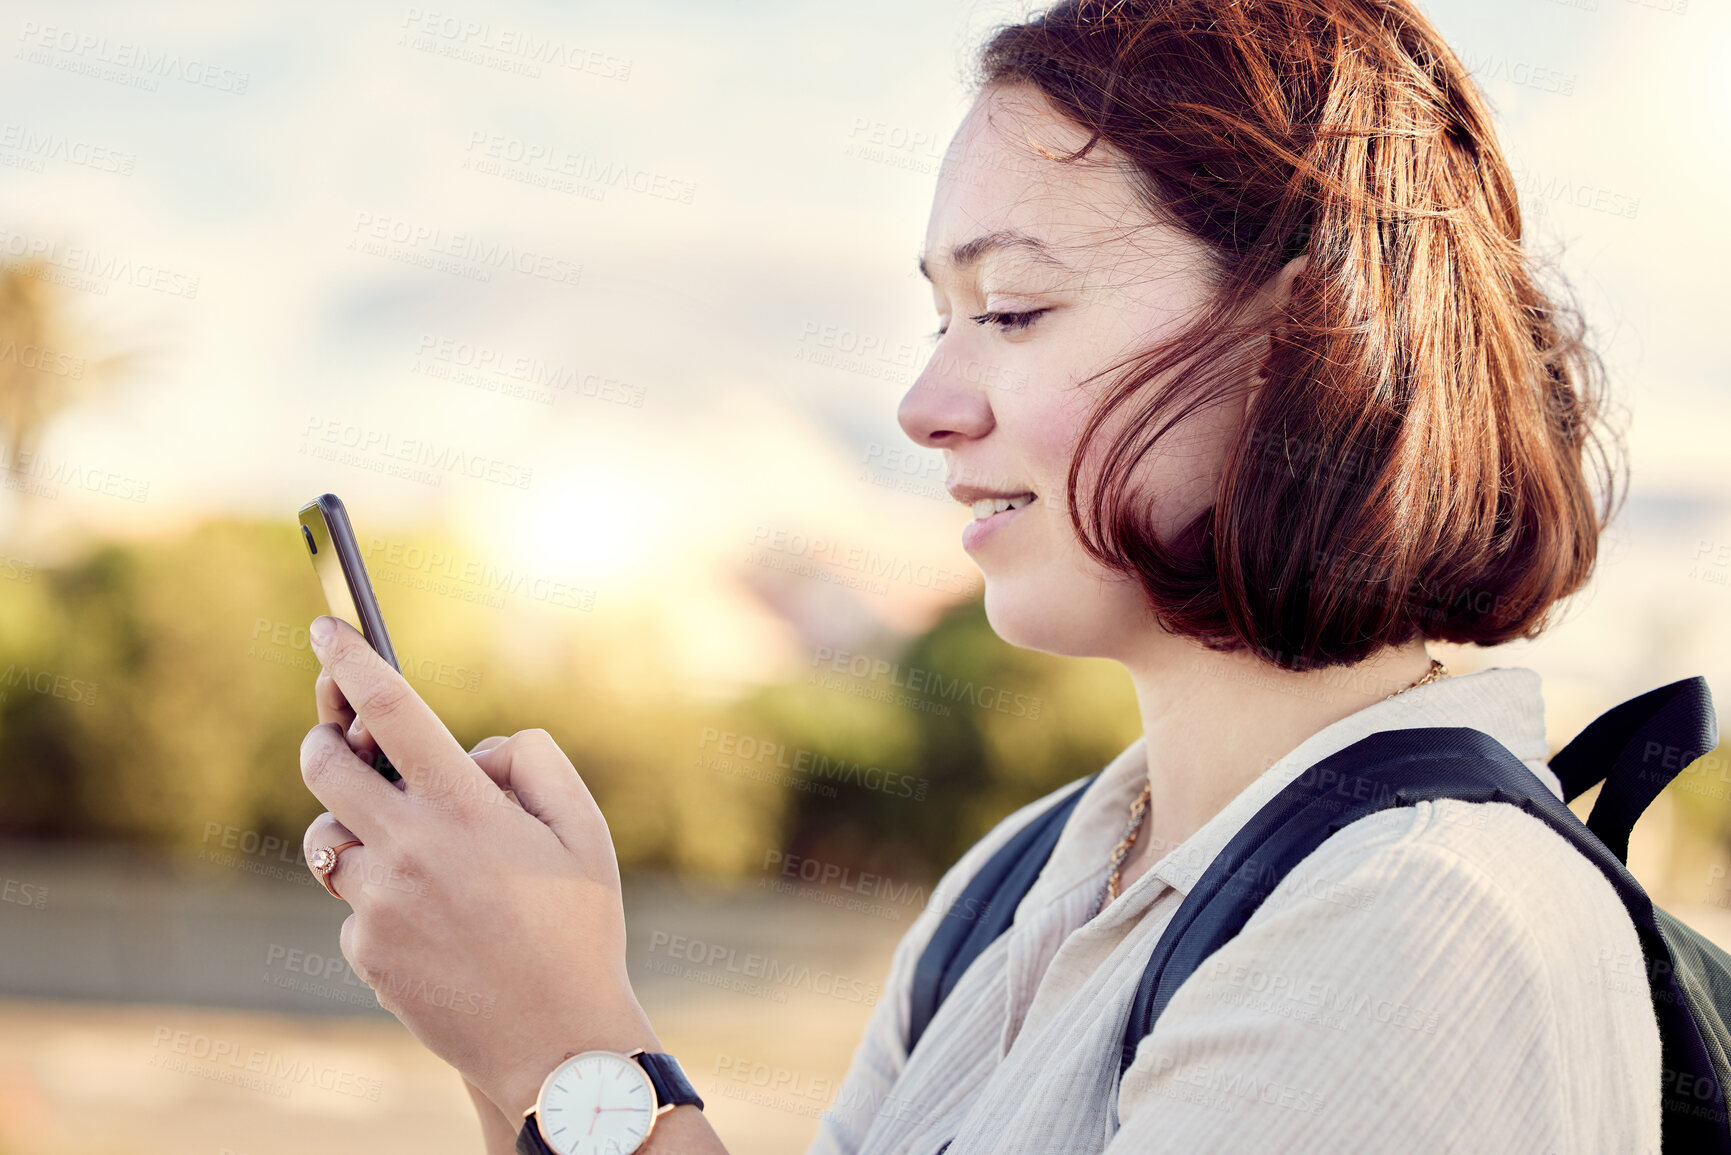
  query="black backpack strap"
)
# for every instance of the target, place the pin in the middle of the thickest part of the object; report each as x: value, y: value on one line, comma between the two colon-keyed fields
x: 1401, y: 768
x: 984, y: 910
x: 1636, y: 749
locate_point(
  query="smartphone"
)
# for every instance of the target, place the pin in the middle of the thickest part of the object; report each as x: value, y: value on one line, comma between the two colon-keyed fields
x: 330, y: 542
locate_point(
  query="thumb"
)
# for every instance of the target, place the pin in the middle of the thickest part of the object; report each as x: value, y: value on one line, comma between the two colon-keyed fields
x: 530, y: 765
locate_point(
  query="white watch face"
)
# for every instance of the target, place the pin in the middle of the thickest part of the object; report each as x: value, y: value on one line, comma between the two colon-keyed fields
x: 596, y: 1103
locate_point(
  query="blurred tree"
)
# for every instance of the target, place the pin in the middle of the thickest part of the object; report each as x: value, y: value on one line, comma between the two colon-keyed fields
x: 150, y: 690
x: 980, y: 727
x: 46, y: 363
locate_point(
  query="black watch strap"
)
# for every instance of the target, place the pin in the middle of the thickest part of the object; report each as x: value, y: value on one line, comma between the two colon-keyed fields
x: 665, y: 1075
x: 529, y: 1141
x: 668, y: 1078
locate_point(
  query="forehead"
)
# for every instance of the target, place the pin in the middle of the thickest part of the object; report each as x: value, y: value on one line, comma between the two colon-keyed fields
x: 999, y: 179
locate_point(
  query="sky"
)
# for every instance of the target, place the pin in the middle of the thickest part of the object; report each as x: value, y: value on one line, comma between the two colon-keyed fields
x: 649, y: 269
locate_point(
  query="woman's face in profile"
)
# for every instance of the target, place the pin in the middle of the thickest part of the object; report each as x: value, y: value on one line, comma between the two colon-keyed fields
x: 1044, y: 273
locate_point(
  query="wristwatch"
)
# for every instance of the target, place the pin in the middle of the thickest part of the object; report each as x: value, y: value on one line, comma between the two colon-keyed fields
x: 603, y: 1103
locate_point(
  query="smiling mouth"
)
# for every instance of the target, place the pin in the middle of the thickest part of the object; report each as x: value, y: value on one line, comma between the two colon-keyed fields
x: 988, y: 506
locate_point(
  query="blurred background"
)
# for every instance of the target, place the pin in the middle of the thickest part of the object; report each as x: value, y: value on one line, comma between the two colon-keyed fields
x: 597, y: 318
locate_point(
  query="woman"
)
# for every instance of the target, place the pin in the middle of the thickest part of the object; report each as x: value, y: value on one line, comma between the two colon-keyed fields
x: 1293, y: 407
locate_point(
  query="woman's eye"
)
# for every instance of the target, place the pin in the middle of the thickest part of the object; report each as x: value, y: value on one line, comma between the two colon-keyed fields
x: 1007, y: 322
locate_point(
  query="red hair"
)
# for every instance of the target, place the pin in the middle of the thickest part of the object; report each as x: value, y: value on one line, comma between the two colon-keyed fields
x: 1414, y: 460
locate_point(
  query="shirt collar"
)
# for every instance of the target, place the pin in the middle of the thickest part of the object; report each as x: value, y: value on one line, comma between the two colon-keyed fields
x: 1503, y: 701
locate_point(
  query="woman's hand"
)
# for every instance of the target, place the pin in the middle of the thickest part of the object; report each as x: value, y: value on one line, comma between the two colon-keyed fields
x: 498, y: 1135
x: 487, y: 909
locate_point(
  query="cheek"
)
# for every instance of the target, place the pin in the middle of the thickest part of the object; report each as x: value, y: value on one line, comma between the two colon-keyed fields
x: 1051, y: 422
x: 1173, y: 482
x: 1184, y: 474
x: 1051, y: 446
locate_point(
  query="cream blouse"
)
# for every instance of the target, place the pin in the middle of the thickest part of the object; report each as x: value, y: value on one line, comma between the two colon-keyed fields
x: 1446, y: 977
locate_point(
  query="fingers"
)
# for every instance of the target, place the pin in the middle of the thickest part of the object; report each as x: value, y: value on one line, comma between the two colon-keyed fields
x: 486, y: 744
x: 346, y: 785
x: 346, y: 944
x: 332, y: 706
x: 385, y: 706
x: 326, y: 831
x: 530, y: 764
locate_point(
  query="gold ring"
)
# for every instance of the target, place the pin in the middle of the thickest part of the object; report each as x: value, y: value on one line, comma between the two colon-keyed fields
x: 324, y: 861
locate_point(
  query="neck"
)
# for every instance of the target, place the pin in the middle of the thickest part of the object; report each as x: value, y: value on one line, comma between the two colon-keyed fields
x: 1214, y: 722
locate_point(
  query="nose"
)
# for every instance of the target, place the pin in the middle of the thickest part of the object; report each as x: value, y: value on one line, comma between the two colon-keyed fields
x: 943, y: 407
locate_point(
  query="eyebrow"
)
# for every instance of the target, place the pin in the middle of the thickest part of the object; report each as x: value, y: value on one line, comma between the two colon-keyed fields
x: 968, y: 253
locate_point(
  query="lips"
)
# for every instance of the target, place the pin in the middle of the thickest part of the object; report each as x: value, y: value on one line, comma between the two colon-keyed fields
x: 991, y: 516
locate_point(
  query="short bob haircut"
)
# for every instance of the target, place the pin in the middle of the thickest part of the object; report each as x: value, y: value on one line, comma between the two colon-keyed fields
x: 1411, y: 462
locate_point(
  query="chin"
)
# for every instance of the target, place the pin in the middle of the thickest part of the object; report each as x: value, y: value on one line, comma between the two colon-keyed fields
x: 1070, y: 619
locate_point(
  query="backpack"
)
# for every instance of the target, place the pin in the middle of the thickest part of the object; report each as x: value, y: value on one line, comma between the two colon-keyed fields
x: 1635, y: 749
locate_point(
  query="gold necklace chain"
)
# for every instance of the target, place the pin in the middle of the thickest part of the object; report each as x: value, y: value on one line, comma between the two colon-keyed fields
x: 1139, y: 808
